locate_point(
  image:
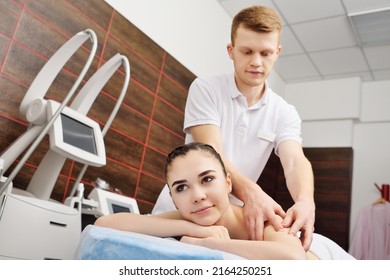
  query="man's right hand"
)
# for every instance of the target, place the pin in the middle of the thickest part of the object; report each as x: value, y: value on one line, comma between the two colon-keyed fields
x: 259, y: 208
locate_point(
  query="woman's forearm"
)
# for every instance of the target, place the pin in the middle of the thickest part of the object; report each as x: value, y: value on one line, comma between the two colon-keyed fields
x: 277, y: 245
x: 256, y: 250
x: 150, y: 225
x: 280, y: 246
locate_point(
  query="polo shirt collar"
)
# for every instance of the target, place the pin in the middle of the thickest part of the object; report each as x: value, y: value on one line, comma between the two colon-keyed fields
x: 235, y: 93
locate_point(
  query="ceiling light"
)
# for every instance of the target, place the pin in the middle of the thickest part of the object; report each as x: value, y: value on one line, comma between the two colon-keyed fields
x: 372, y: 27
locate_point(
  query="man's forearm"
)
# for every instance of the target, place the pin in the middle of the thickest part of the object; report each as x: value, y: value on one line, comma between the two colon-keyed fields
x: 242, y: 186
x: 297, y: 171
x: 300, y: 180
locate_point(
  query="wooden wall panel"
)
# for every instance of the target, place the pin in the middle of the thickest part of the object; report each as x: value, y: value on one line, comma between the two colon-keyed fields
x: 332, y: 168
x: 149, y: 122
x: 9, y: 13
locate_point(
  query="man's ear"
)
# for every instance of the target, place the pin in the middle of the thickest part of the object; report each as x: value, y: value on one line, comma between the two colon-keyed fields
x: 229, y: 49
x: 279, y: 50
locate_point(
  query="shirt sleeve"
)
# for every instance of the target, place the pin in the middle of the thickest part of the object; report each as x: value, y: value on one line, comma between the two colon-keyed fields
x: 289, y: 126
x: 201, y: 106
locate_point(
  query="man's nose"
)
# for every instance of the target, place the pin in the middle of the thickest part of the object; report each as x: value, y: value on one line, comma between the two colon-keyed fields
x: 257, y: 60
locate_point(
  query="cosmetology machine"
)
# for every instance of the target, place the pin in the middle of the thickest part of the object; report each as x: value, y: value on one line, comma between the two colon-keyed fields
x: 103, y: 200
x: 33, y: 226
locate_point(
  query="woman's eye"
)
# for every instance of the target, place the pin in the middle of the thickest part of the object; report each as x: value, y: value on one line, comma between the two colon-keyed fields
x: 180, y: 188
x: 207, y: 179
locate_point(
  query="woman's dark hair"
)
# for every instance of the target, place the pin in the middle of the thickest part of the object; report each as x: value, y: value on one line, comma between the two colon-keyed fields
x: 182, y: 150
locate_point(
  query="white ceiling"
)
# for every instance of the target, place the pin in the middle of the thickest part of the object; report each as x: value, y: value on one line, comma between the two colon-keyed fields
x: 320, y: 41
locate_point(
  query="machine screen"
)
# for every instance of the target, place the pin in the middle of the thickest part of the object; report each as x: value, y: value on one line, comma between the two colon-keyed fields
x: 119, y: 208
x: 78, y: 134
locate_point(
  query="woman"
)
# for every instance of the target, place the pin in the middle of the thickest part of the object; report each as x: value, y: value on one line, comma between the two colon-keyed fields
x: 200, y: 187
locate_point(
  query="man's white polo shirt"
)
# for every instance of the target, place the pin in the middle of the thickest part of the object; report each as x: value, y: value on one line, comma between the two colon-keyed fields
x: 248, y: 133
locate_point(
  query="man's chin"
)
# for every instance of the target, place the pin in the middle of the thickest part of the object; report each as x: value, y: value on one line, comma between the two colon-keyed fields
x: 256, y: 81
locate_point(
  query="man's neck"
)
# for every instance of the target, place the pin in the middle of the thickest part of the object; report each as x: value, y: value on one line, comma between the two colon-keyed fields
x: 252, y: 94
x: 255, y: 95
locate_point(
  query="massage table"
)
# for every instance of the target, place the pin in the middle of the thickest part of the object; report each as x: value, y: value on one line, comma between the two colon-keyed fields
x: 98, y: 243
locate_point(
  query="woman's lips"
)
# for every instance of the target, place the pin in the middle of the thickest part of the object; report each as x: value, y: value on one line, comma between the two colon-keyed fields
x: 202, y: 210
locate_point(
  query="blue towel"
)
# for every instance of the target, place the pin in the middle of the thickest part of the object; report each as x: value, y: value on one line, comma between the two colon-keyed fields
x: 98, y: 243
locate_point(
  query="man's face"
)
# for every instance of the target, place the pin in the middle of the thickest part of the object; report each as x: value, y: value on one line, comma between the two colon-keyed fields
x: 253, y: 55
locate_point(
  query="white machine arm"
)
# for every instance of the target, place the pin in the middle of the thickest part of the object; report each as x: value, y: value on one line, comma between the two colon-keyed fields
x: 12, y: 152
x: 53, y: 66
x: 53, y: 161
x: 81, y: 104
x: 38, y: 89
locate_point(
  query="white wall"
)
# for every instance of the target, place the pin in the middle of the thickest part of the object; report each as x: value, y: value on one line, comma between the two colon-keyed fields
x: 349, y: 113
x: 326, y: 133
x: 375, y: 99
x: 329, y: 100
x: 181, y: 28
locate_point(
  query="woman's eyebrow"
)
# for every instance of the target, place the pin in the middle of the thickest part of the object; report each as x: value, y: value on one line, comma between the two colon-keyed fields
x: 200, y: 175
x: 206, y: 172
x: 179, y: 182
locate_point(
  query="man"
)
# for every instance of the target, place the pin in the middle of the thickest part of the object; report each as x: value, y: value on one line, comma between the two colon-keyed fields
x: 244, y: 120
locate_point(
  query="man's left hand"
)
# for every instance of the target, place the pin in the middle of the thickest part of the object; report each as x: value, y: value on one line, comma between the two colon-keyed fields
x: 301, y: 217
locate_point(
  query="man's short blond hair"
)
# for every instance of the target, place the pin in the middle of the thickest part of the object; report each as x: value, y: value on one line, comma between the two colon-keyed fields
x: 258, y: 19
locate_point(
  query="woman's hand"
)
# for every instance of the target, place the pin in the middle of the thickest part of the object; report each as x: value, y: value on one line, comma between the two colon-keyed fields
x: 208, y: 233
x: 219, y: 232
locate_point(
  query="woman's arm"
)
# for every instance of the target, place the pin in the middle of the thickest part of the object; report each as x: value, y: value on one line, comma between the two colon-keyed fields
x: 277, y: 245
x: 169, y: 224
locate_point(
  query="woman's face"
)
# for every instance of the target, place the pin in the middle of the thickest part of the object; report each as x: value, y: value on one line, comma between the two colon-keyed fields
x: 199, y: 187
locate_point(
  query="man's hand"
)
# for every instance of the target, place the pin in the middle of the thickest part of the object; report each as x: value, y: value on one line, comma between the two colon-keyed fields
x: 301, y: 216
x: 259, y: 208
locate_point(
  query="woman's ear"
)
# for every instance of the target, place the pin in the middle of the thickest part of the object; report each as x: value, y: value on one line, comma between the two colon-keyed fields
x: 229, y: 183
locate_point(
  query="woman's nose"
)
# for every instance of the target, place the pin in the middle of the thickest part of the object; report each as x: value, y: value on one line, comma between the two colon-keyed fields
x: 198, y: 195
